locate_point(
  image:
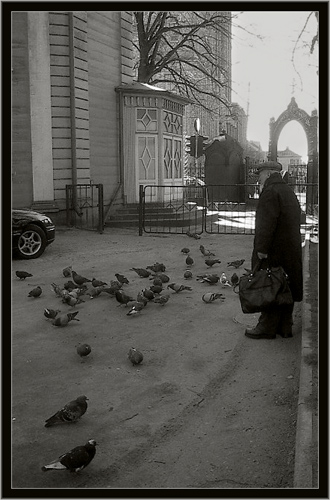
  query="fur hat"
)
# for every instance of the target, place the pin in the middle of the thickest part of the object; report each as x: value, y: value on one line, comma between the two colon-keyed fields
x: 270, y: 165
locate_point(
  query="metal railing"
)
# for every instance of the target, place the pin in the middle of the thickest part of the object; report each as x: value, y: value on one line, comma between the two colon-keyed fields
x: 84, y: 206
x: 216, y: 209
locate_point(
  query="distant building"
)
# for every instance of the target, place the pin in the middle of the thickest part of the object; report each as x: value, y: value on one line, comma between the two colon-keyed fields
x: 288, y: 157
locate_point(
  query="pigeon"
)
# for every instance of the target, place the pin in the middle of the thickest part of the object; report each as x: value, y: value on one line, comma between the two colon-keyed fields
x: 157, y: 282
x: 75, y: 460
x: 156, y: 288
x: 236, y: 263
x: 178, y: 288
x: 56, y: 289
x: 143, y: 273
x: 72, y: 301
x: 136, y: 308
x: 51, y: 313
x: 211, y: 262
x: 78, y: 279
x: 224, y: 280
x: 83, y: 350
x: 23, y: 274
x: 206, y: 253
x: 122, y: 298
x: 95, y: 292
x: 122, y: 279
x: 161, y: 299
x: 64, y: 319
x: 96, y: 283
x: 141, y: 298
x: 189, y: 261
x: 71, y: 412
x: 69, y: 285
x: 157, y: 267
x: 36, y: 292
x: 111, y: 290
x: 135, y: 356
x: 162, y: 276
x: 185, y: 250
x: 211, y: 279
x: 193, y: 235
x: 234, y: 279
x: 187, y: 275
x: 116, y: 284
x: 211, y: 297
x: 67, y: 272
x: 149, y: 294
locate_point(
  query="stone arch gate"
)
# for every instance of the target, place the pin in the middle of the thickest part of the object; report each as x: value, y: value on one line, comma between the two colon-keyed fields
x: 309, y: 124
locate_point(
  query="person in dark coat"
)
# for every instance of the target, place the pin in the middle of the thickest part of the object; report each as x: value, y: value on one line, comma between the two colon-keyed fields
x: 277, y: 239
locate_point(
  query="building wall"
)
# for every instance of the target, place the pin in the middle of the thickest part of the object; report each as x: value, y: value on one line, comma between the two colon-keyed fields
x: 22, y: 186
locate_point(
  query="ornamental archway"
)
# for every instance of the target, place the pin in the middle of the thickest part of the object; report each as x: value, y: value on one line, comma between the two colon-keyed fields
x: 309, y: 124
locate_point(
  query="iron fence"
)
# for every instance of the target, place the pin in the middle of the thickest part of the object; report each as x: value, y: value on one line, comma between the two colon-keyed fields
x: 84, y: 206
x: 215, y: 209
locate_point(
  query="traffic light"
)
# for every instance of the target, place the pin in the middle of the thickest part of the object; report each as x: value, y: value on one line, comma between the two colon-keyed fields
x: 191, y: 145
x: 200, y: 140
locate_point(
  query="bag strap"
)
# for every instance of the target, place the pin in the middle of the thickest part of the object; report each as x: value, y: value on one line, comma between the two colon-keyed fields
x: 258, y: 266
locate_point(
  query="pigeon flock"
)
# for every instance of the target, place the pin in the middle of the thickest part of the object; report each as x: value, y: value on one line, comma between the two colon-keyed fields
x: 78, y: 289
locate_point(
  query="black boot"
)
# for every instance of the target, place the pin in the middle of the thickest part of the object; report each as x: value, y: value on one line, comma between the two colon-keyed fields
x: 257, y: 333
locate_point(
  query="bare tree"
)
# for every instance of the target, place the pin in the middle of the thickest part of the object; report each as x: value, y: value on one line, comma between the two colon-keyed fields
x: 310, y: 44
x: 183, y: 50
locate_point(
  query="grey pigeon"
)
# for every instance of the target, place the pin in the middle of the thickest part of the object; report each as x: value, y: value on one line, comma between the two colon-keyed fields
x: 123, y: 298
x: 36, y: 292
x: 143, y: 273
x: 189, y: 260
x: 23, y: 274
x: 178, y: 288
x: 149, y: 294
x: 122, y: 279
x: 206, y: 253
x: 51, y: 313
x: 193, y: 235
x: 135, y: 356
x: 75, y: 460
x: 211, y: 262
x: 162, y: 276
x: 83, y: 350
x: 209, y: 297
x: 234, y: 279
x: 161, y: 299
x: 67, y: 272
x: 187, y: 275
x: 136, y: 308
x: 157, y: 267
x: 236, y: 263
x: 71, y: 412
x: 185, y: 250
x: 64, y: 319
x: 96, y: 283
x: 156, y: 288
x: 78, y: 279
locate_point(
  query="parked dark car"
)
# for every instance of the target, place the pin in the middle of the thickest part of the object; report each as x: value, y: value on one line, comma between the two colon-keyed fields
x: 32, y: 232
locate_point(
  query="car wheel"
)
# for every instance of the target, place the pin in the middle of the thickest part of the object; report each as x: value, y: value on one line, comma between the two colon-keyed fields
x: 31, y: 243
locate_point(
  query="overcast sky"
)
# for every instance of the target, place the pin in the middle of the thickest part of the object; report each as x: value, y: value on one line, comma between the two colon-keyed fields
x: 266, y: 65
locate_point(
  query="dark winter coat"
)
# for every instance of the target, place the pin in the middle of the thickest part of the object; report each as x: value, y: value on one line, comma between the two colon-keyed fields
x: 277, y: 231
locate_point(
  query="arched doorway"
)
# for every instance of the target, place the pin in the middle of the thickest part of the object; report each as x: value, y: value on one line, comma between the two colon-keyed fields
x: 309, y: 124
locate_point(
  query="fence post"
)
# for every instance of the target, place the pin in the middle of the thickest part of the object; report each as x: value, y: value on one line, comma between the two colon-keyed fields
x: 67, y: 197
x: 141, y: 201
x: 101, y: 211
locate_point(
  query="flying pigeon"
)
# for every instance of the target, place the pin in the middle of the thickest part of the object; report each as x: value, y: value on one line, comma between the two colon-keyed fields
x: 23, y: 274
x: 67, y: 272
x: 135, y: 356
x: 143, y: 273
x: 96, y: 283
x: 78, y: 279
x: 64, y: 319
x: 157, y: 267
x: 136, y: 308
x: 75, y: 460
x: 122, y: 279
x: 189, y: 261
x: 187, y: 275
x: 178, y: 288
x: 211, y: 262
x: 206, y: 253
x: 193, y: 235
x: 36, y: 292
x: 185, y: 250
x: 83, y: 350
x: 211, y: 297
x: 122, y: 298
x: 224, y: 280
x: 51, y: 313
x: 161, y: 299
x: 71, y: 412
x: 236, y: 263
